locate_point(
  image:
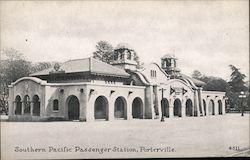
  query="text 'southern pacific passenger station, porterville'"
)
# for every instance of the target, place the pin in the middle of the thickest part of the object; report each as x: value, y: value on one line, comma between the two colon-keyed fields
x: 88, y: 90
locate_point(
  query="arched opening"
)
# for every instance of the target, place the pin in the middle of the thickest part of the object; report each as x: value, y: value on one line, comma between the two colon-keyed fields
x: 220, y: 107
x: 55, y: 105
x: 120, y: 108
x: 101, y: 108
x: 137, y: 108
x: 36, y: 105
x: 211, y: 107
x: 189, y: 108
x: 18, y: 110
x: 165, y: 107
x: 26, y: 102
x: 205, y: 107
x: 73, y: 108
x: 177, y: 107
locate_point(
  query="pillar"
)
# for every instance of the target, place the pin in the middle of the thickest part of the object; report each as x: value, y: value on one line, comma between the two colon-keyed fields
x: 10, y: 101
x: 216, y: 106
x: 23, y: 105
x: 147, y: 109
x: 171, y: 109
x: 13, y: 109
x: 111, y: 111
x: 83, y: 105
x: 196, y: 103
x: 156, y: 101
x: 207, y: 106
x: 201, y: 107
x: 223, y: 106
x: 31, y: 108
x: 129, y: 111
x: 183, y: 108
x: 90, y: 107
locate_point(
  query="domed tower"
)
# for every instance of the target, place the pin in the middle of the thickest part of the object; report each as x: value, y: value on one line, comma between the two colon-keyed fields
x: 169, y: 65
x: 124, y: 57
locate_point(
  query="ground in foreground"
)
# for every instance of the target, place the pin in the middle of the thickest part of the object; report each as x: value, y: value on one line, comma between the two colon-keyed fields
x: 211, y: 136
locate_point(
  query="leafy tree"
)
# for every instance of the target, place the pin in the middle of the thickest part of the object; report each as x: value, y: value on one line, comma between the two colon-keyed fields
x: 237, y: 85
x: 11, y: 69
x: 36, y: 67
x: 236, y: 82
x: 104, y: 51
x: 216, y: 84
x: 197, y: 74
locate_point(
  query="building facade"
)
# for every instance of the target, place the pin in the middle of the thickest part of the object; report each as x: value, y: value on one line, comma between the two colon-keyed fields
x: 88, y: 90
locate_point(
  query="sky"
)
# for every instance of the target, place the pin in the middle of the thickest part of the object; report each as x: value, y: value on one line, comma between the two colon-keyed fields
x: 204, y: 35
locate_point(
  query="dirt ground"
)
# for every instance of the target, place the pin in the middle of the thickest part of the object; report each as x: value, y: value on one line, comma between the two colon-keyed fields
x: 226, y: 135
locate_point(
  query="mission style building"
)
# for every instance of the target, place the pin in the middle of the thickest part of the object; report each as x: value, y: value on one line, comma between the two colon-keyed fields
x: 88, y: 90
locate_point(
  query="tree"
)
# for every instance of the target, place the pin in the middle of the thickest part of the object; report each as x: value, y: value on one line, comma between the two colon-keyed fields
x: 236, y: 82
x: 11, y: 69
x: 197, y: 74
x: 216, y: 84
x: 39, y: 66
x: 104, y: 51
x: 237, y: 85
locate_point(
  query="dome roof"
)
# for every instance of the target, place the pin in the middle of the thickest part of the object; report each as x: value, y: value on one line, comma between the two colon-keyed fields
x: 124, y: 46
x: 168, y: 56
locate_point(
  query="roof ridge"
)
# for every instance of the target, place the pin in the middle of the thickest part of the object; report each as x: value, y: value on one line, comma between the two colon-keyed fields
x: 77, y: 59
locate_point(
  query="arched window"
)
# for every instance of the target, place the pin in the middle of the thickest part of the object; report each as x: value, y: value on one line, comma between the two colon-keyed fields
x: 55, y: 105
x: 129, y: 55
x: 26, y: 102
x: 120, y: 108
x: 137, y: 108
x: 36, y: 105
x: 18, y: 104
x: 101, y: 108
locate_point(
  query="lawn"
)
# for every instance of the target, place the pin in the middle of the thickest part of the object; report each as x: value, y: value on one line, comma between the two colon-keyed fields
x: 226, y: 135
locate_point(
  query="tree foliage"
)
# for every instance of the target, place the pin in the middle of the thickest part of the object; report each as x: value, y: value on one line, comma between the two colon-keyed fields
x: 197, y: 74
x: 232, y: 88
x: 104, y: 51
x: 13, y: 67
x: 236, y: 82
x: 212, y: 83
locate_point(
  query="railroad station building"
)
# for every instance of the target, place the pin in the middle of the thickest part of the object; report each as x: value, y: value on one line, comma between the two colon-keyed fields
x: 89, y: 90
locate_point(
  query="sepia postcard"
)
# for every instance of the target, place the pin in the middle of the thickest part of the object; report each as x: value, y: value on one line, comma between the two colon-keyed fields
x: 124, y: 79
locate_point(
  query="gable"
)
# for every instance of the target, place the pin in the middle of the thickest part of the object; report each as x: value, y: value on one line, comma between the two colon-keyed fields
x: 154, y: 74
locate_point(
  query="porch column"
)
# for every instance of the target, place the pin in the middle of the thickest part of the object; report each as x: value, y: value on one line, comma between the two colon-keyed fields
x: 183, y: 108
x: 201, y: 102
x: 23, y: 105
x: 171, y: 111
x: 223, y: 107
x: 14, y: 108
x: 156, y: 102
x: 31, y: 108
x: 207, y: 106
x: 196, y: 103
x: 129, y: 111
x: 83, y: 104
x: 111, y: 111
x: 216, y: 106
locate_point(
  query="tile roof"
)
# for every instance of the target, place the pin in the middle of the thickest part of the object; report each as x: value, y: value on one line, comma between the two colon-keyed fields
x: 91, y: 65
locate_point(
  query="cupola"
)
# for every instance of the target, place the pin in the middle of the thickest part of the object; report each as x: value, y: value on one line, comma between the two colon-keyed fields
x: 124, y: 57
x: 169, y: 65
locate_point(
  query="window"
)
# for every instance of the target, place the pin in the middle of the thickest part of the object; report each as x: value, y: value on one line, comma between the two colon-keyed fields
x: 153, y: 73
x: 55, y: 105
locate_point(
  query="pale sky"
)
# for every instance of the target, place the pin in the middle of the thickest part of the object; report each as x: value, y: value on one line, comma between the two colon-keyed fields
x: 205, y: 35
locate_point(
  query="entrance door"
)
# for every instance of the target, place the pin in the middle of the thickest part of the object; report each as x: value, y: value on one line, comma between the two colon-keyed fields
x: 73, y: 108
